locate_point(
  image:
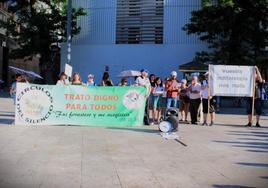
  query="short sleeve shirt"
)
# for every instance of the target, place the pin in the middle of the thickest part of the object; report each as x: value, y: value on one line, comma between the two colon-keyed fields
x: 197, y: 87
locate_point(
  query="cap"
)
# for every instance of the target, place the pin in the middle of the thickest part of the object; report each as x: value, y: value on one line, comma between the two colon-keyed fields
x: 173, y: 73
x: 183, y: 81
x: 90, y: 76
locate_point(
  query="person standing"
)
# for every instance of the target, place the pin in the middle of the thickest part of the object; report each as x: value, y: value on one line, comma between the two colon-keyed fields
x: 184, y: 101
x: 151, y: 96
x: 144, y: 81
x: 76, y: 79
x: 63, y: 79
x: 157, y: 100
x: 13, y: 89
x: 194, y: 90
x: 205, y: 97
x: 152, y: 80
x: 257, y: 102
x: 123, y: 82
x: 90, y: 80
x: 106, y: 81
x: 172, y: 88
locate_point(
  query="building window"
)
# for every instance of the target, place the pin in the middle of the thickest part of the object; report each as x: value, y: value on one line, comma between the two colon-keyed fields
x: 139, y: 22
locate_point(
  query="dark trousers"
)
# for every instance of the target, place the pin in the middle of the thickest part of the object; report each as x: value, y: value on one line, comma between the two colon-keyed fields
x: 194, y: 105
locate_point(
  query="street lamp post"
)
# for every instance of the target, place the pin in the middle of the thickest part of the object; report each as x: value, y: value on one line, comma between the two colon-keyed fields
x: 69, y: 31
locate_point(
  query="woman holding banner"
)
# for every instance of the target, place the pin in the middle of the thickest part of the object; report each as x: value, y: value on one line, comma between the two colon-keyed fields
x: 63, y: 79
x: 257, y: 101
x: 76, y: 79
x: 106, y: 81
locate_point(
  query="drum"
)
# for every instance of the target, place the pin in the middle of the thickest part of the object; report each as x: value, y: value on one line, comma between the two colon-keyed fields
x: 165, y: 126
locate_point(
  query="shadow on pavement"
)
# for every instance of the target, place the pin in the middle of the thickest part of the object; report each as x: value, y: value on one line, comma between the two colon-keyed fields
x: 230, y: 186
x: 255, y: 139
x: 6, y: 121
x: 251, y: 141
x: 134, y: 129
x: 257, y: 151
x: 248, y: 134
x: 262, y: 165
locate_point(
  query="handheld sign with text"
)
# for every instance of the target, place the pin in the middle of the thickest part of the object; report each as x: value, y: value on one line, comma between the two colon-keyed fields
x: 68, y: 70
x: 79, y: 105
x: 233, y: 81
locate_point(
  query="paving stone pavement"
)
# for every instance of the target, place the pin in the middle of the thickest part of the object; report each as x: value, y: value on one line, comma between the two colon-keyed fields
x: 224, y: 156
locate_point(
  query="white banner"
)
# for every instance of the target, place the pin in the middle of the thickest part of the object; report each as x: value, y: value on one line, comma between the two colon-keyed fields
x: 234, y: 81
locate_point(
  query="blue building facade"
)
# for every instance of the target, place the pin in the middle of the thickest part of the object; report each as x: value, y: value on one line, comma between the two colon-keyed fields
x: 97, y: 45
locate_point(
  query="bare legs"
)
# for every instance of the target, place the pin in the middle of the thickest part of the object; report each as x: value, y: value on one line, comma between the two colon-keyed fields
x: 157, y: 114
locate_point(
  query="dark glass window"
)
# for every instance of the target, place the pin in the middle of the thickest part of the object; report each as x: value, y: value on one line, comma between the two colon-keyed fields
x: 139, y: 22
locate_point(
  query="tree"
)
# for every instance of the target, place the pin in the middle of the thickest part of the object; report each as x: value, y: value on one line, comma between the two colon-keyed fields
x: 236, y: 31
x: 38, y: 26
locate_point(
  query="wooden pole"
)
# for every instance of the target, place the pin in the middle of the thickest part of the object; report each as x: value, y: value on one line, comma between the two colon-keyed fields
x: 208, y: 91
x: 253, y: 97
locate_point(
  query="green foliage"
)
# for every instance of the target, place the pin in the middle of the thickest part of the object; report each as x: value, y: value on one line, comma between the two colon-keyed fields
x: 37, y: 25
x: 235, y: 30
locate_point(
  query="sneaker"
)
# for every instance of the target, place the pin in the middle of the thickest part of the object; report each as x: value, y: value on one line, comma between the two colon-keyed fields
x: 258, y: 125
x: 248, y: 125
x: 211, y: 124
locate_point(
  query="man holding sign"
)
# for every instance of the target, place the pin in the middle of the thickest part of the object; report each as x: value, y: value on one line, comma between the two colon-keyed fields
x: 238, y: 81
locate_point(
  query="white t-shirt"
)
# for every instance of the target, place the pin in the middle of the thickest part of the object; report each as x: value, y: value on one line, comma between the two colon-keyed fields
x: 61, y: 82
x: 158, y: 90
x: 144, y: 82
x: 197, y: 87
x: 204, y: 93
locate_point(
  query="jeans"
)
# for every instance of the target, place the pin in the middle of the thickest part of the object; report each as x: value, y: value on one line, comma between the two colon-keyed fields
x: 169, y: 101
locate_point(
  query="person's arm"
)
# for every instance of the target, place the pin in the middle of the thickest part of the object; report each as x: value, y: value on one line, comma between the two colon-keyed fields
x: 190, y: 88
x: 11, y: 91
x: 136, y: 82
x: 169, y: 86
x: 176, y: 87
x: 258, y: 74
x: 102, y: 83
x: 112, y: 83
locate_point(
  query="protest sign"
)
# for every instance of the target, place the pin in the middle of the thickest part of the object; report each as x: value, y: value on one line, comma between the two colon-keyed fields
x: 236, y: 81
x: 79, y: 105
x: 68, y: 70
